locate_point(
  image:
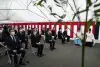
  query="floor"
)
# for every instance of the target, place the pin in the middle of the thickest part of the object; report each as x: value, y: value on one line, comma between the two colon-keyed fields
x: 67, y: 55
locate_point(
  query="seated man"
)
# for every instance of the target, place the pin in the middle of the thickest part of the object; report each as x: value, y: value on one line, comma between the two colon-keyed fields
x: 54, y: 33
x: 22, y: 36
x: 14, y: 45
x: 29, y: 31
x: 35, y: 41
x: 48, y: 39
x: 66, y: 36
x: 43, y: 31
x: 61, y: 36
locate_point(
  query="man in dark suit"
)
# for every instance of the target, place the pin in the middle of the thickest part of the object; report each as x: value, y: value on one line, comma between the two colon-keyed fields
x: 54, y: 33
x: 43, y: 31
x: 22, y: 37
x: 35, y: 41
x: 29, y: 31
x: 37, y: 30
x: 65, y: 35
x: 60, y: 33
x: 49, y: 39
x: 60, y: 36
x: 13, y: 43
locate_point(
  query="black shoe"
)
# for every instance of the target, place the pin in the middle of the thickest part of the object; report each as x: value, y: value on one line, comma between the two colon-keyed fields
x: 51, y: 49
x: 22, y: 63
x: 54, y: 48
x: 40, y: 55
x: 26, y: 48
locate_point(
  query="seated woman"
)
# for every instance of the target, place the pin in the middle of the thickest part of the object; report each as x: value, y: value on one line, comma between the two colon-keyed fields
x: 49, y: 39
x: 78, y: 38
x: 89, y: 38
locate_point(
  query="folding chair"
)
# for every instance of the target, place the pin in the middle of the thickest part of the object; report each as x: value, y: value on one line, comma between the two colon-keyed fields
x: 11, y: 59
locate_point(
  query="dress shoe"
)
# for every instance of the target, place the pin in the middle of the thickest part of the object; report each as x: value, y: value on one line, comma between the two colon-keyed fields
x: 22, y: 63
x: 40, y: 55
x: 26, y: 48
x: 54, y: 48
x: 51, y: 49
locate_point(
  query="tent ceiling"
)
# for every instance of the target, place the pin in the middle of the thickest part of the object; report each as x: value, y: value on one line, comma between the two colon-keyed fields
x: 34, y: 13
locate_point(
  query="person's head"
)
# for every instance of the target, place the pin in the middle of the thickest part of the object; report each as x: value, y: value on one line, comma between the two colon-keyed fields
x: 78, y: 30
x: 37, y: 29
x: 43, y: 28
x: 34, y: 31
x: 12, y: 32
x: 60, y: 29
x: 53, y: 28
x: 5, y: 27
x: 49, y: 31
x: 89, y: 30
x: 20, y: 30
x: 65, y: 29
x: 29, y: 28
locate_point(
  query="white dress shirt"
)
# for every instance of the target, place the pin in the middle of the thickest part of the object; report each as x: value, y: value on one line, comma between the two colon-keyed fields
x: 90, y: 37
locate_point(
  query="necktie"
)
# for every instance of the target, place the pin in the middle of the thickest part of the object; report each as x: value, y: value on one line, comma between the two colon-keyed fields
x: 14, y: 39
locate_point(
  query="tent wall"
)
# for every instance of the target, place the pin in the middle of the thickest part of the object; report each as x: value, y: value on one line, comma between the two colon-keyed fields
x: 71, y: 26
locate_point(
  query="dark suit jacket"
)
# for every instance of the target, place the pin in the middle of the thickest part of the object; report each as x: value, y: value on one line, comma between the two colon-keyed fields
x: 65, y: 33
x: 48, y: 37
x: 13, y: 45
x: 21, y: 36
x: 35, y: 39
x: 29, y: 32
x: 43, y: 32
x: 53, y: 33
x: 59, y: 35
